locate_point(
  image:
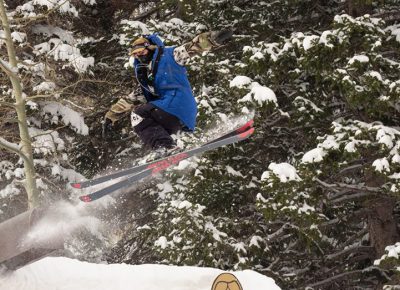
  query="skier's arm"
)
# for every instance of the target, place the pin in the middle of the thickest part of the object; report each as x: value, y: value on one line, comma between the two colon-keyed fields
x: 203, y: 42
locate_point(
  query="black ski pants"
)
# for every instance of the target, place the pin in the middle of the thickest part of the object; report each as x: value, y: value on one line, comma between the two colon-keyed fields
x: 156, y: 127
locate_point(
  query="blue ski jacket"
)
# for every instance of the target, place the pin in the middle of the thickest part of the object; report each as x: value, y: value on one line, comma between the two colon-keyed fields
x: 171, y: 85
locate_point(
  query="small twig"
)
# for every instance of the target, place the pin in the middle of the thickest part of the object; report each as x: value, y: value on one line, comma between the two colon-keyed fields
x: 48, y: 132
x: 335, y: 278
x: 11, y: 105
x: 352, y: 249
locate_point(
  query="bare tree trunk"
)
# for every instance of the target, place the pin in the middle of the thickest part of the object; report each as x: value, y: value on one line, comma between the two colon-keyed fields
x: 382, y: 224
x: 26, y: 143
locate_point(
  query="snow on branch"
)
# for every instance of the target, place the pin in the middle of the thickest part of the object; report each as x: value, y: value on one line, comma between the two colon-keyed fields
x: 63, y: 6
x: 67, y: 115
x: 62, y: 51
x: 8, y: 69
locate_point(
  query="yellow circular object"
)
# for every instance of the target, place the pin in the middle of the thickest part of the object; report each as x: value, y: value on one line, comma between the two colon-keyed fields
x: 226, y: 281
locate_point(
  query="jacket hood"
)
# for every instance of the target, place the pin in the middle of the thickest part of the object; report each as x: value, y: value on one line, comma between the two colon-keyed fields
x: 155, y: 39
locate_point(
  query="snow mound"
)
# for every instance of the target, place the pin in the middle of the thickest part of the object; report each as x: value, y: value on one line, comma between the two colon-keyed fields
x: 69, y: 274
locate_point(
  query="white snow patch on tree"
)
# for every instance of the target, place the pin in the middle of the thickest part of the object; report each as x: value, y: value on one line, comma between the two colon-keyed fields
x: 376, y: 75
x: 9, y: 190
x: 381, y: 165
x: 324, y: 38
x: 164, y: 188
x: 46, y: 142
x: 306, y: 209
x: 284, y: 171
x: 392, y: 251
x: 49, y: 30
x: 386, y: 135
x: 64, y: 6
x: 140, y: 26
x: 45, y: 87
x: 18, y: 36
x: 177, y: 22
x: 68, y: 116
x: 89, y: 2
x: 359, y: 58
x: 314, y: 155
x: 240, y: 247
x: 255, y: 240
x: 395, y: 31
x: 59, y: 50
x: 217, y: 234
x: 162, y: 242
x: 240, y: 82
x: 330, y: 143
x: 184, y: 204
x: 257, y: 56
x: 396, y: 158
x: 260, y: 95
x: 309, y: 41
x: 233, y: 172
x: 350, y: 147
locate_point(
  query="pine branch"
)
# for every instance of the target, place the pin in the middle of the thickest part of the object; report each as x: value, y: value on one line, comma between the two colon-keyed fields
x: 357, y: 187
x: 278, y: 233
x: 388, y: 16
x: 147, y: 13
x: 354, y: 196
x: 350, y: 250
x: 334, y: 279
x: 352, y: 274
x: 27, y: 20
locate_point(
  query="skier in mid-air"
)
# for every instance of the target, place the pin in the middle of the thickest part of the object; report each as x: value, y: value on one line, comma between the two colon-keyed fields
x: 170, y: 105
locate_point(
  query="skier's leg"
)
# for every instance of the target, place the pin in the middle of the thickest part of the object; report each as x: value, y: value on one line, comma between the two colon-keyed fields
x: 152, y: 133
x: 169, y: 122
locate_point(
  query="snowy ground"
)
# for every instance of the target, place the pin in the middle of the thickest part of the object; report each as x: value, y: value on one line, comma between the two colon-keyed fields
x: 68, y: 274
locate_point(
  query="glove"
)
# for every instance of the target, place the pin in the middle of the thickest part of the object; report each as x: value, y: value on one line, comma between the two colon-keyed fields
x: 222, y: 36
x: 115, y: 113
x: 136, y: 98
x: 208, y: 40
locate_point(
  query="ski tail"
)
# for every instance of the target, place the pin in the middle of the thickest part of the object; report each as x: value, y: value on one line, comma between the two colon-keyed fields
x: 165, y: 163
x: 139, y: 168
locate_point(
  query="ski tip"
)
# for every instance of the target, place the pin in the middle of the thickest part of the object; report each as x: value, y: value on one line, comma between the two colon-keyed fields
x: 76, y: 185
x: 245, y: 127
x: 85, y: 198
x: 247, y: 133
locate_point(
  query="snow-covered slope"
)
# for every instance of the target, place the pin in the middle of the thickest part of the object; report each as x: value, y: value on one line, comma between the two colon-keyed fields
x: 69, y: 274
